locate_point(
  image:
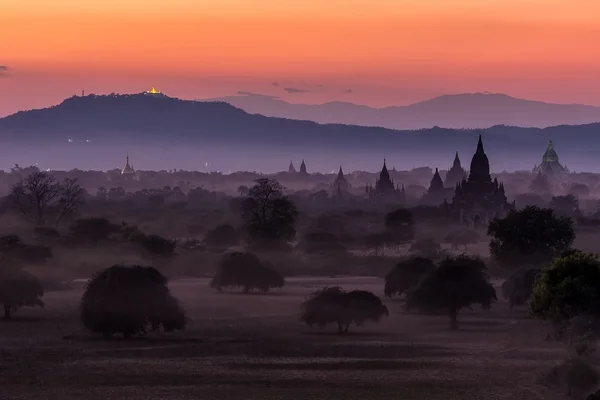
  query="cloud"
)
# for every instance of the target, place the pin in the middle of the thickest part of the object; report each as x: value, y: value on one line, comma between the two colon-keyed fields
x: 275, y: 83
x: 295, y: 90
x: 3, y: 69
x: 348, y: 91
x: 244, y: 93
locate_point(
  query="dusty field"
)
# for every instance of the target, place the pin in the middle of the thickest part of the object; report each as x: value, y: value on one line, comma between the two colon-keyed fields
x: 253, y: 347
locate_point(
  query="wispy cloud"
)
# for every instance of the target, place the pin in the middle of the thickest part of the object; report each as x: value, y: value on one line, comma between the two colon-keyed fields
x: 275, y: 83
x: 295, y: 90
x: 348, y: 91
x: 245, y: 93
x: 3, y: 69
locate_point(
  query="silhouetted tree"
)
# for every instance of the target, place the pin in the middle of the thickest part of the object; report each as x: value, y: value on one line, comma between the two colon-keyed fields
x: 569, y: 287
x: 243, y: 190
x: 269, y: 217
x: 517, y: 289
x: 19, y: 288
x: 567, y: 206
x: 531, y: 236
x: 93, y: 230
x: 406, y: 275
x: 245, y: 270
x: 130, y: 300
x: 37, y: 194
x: 377, y: 241
x: 158, y: 245
x: 458, y: 282
x: 334, y: 305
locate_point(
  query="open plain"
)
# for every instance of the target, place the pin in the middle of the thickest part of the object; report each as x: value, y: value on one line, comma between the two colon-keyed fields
x: 254, y: 347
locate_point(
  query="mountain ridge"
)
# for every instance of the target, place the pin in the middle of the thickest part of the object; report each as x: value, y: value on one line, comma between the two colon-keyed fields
x: 217, y: 129
x: 455, y: 111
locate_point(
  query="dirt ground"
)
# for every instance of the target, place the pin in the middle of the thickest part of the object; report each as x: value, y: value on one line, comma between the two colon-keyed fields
x: 253, y: 347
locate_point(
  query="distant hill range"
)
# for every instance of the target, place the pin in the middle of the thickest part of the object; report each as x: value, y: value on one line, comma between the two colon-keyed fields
x: 476, y: 110
x: 151, y: 121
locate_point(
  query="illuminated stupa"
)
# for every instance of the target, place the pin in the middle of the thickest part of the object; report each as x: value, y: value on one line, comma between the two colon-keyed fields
x: 154, y: 92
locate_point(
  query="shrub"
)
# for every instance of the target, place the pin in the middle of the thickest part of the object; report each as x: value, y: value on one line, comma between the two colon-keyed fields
x: 245, y: 270
x: 406, y: 275
x: 334, y: 305
x: 132, y: 300
x: 19, y: 288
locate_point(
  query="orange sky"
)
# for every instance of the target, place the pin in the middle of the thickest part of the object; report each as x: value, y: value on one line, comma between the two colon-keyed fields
x: 385, y: 51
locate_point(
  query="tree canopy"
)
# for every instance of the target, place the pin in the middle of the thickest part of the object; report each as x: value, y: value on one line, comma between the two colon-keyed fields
x: 131, y: 300
x: 567, y: 288
x: 406, y: 275
x: 268, y: 216
x: 519, y: 286
x: 531, y: 236
x: 335, y: 305
x: 458, y: 282
x: 19, y: 288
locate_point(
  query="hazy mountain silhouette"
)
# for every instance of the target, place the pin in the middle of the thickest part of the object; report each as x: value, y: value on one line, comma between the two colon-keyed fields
x: 152, y: 123
x: 473, y: 111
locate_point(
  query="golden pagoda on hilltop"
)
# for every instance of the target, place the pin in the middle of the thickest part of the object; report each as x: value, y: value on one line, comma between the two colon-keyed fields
x: 154, y: 92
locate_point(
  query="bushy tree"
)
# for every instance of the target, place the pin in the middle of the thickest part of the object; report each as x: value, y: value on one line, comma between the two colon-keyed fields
x: 569, y: 287
x: 334, y: 305
x: 458, y: 282
x: 19, y: 288
x: 221, y: 236
x: 247, y: 271
x: 531, y: 236
x: 519, y: 286
x: 131, y: 300
x: 406, y: 275
x: 268, y: 216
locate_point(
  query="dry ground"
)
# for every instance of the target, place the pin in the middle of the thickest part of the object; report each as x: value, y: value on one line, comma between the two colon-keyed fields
x: 253, y: 347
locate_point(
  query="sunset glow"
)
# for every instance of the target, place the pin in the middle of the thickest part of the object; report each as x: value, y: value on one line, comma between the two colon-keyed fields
x: 386, y: 51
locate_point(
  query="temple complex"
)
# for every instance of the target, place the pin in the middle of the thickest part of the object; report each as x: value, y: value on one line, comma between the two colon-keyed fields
x: 479, y: 199
x: 456, y: 174
x: 127, y: 169
x: 385, y: 188
x: 550, y: 164
x: 291, y: 168
x: 340, y: 185
x: 303, y: 168
x: 437, y: 193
